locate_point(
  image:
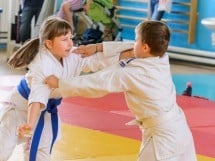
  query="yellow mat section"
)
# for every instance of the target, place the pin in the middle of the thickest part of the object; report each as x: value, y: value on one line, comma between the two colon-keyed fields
x: 108, y: 158
x: 204, y: 158
x: 82, y: 144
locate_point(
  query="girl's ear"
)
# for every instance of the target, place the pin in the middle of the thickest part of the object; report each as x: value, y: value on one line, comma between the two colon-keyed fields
x: 48, y: 44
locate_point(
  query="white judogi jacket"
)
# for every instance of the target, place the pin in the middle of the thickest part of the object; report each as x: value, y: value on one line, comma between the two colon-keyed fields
x: 150, y: 94
x: 45, y: 64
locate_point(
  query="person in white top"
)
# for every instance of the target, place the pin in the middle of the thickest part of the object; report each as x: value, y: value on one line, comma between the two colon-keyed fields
x: 69, y: 6
x: 32, y: 106
x: 149, y: 91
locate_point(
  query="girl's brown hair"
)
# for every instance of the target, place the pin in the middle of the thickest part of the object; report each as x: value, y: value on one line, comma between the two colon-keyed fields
x: 52, y: 27
x: 156, y: 34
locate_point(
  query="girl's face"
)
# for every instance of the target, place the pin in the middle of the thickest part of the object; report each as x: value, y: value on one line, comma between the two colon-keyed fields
x: 60, y: 46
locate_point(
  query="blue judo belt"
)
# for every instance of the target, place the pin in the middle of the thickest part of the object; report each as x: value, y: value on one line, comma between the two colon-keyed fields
x: 52, y: 109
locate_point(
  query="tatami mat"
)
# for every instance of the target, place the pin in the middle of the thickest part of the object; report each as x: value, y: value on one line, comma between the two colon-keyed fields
x: 95, y: 130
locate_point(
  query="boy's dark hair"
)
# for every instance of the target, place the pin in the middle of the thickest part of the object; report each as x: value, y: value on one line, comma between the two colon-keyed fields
x: 51, y: 28
x: 156, y: 34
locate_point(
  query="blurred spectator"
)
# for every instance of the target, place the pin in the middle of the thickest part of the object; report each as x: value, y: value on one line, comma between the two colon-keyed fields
x: 30, y: 9
x: 69, y: 6
x: 158, y: 8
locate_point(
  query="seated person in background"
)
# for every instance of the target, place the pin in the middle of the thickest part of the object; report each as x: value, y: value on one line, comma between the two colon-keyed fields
x: 67, y: 8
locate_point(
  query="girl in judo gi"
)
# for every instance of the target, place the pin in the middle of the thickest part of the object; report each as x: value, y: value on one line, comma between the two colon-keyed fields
x: 32, y: 106
x: 149, y: 91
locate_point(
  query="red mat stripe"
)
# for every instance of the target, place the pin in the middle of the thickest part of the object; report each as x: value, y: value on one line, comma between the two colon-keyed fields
x: 109, y: 114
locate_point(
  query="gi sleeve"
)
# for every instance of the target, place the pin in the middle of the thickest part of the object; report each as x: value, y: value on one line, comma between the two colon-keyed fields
x: 95, y: 85
x: 111, y: 48
x: 36, y: 76
x: 109, y: 56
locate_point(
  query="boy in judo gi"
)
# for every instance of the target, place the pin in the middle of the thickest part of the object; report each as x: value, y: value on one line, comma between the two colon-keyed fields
x: 149, y: 91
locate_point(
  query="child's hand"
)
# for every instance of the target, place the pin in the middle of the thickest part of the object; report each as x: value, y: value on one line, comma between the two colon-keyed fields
x: 24, y: 130
x: 85, y: 50
x: 52, y: 81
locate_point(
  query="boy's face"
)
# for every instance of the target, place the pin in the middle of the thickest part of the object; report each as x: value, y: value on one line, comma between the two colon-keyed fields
x: 140, y: 49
